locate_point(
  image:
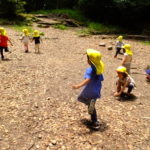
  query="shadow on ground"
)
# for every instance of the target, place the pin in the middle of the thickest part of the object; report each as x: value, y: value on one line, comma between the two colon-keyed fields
x: 124, y: 97
x: 103, y: 126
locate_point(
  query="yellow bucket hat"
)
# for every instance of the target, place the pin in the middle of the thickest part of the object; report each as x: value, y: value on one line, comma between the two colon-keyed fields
x: 25, y: 31
x: 122, y: 69
x: 120, y: 38
x: 1, y: 28
x: 36, y: 33
x: 3, y: 31
x: 95, y: 58
x: 128, y: 50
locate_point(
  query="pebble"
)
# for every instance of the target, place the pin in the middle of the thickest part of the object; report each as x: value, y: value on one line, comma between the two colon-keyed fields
x: 102, y: 44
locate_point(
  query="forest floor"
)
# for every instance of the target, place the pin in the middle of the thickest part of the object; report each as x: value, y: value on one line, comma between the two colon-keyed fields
x: 38, y: 107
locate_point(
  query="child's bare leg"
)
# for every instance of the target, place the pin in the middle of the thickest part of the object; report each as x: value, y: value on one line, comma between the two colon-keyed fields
x: 26, y: 47
x: 35, y: 48
x: 38, y: 47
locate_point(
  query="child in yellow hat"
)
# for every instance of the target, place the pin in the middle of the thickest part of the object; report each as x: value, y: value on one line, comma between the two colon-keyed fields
x: 124, y: 81
x: 4, y: 42
x: 92, y: 84
x: 37, y: 40
x: 127, y: 59
x: 119, y: 45
x: 25, y: 40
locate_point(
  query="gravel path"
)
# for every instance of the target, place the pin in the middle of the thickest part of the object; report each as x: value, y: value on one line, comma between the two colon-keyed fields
x: 38, y: 108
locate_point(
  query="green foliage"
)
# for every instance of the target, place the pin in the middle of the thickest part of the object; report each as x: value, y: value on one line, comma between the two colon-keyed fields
x: 146, y: 42
x: 60, y: 26
x: 11, y: 8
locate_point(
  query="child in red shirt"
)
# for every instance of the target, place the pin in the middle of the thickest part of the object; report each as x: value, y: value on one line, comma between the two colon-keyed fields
x: 3, y: 42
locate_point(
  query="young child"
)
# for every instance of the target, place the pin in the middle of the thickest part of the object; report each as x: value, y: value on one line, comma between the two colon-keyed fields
x: 119, y: 45
x: 25, y: 39
x: 124, y: 81
x: 4, y: 42
x: 147, y: 75
x: 92, y: 84
x: 37, y: 40
x: 126, y: 62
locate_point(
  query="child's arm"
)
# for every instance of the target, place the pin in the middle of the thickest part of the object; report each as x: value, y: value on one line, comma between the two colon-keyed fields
x: 86, y: 81
x: 124, y: 60
x: 120, y: 90
x: 10, y: 42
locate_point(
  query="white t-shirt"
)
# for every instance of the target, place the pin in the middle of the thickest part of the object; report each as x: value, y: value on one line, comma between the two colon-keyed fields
x: 128, y: 58
x: 25, y: 39
x: 119, y: 44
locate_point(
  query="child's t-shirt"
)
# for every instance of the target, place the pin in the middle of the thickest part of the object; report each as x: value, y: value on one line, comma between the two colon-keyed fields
x: 119, y: 44
x: 25, y: 39
x: 128, y: 58
x: 37, y: 40
x: 3, y: 41
x: 93, y: 88
x: 148, y: 71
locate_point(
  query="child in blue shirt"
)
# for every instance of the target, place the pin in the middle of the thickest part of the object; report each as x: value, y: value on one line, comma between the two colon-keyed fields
x: 147, y: 75
x: 92, y: 83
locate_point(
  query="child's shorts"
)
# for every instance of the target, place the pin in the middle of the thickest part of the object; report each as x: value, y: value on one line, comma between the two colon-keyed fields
x: 84, y: 100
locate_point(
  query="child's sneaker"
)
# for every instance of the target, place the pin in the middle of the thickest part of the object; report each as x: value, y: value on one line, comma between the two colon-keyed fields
x: 96, y: 124
x: 91, y: 106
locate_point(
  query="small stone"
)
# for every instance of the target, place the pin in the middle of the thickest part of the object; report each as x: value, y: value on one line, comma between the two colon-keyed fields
x: 54, y: 142
x: 63, y: 147
x: 36, y: 105
x: 102, y: 44
x: 40, y: 136
x: 110, y: 48
x: 37, y: 146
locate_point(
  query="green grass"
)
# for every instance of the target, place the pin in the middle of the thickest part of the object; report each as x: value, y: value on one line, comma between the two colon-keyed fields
x: 19, y: 28
x: 146, y: 42
x: 60, y: 26
x: 95, y: 27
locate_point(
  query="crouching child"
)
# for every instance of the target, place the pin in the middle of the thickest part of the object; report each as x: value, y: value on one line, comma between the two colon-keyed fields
x: 124, y: 81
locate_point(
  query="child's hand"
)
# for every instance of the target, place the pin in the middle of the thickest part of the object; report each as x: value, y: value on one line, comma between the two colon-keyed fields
x: 75, y: 86
x: 116, y: 94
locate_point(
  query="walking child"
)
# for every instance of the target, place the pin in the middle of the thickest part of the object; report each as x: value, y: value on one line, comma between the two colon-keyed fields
x: 124, y: 81
x: 119, y: 45
x: 126, y: 62
x: 25, y: 40
x: 92, y: 84
x: 37, y: 40
x: 4, y: 42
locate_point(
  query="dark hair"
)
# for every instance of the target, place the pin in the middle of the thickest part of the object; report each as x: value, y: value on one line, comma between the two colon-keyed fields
x: 93, y: 69
x: 124, y: 75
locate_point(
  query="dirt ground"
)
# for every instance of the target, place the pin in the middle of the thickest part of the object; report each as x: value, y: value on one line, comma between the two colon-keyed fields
x: 39, y: 110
